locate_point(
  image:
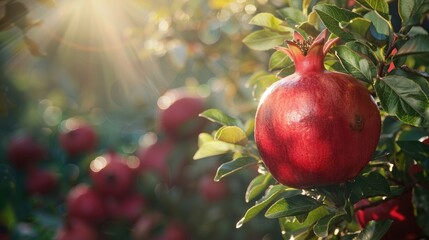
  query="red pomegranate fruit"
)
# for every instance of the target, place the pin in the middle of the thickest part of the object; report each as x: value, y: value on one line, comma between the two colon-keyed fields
x: 40, y: 182
x: 86, y: 204
x: 111, y: 175
x: 76, y: 229
x: 212, y: 191
x: 399, y: 209
x: 24, y: 152
x: 178, y: 114
x: 425, y: 140
x: 77, y: 137
x: 315, y: 127
x: 172, y: 231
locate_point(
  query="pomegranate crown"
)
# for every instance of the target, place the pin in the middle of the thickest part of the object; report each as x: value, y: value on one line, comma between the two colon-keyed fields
x: 308, y: 54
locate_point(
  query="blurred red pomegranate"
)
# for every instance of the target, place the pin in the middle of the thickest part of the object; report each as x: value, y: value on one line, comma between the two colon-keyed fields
x: 77, y: 137
x: 24, y: 152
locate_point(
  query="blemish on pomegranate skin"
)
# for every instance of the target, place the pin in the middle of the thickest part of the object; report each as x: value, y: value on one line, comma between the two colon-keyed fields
x: 358, y: 123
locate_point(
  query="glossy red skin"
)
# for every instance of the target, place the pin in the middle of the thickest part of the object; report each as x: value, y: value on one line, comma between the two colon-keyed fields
x: 154, y: 158
x: 81, y: 140
x: 128, y: 208
x: 180, y: 120
x: 23, y: 152
x: 400, y: 210
x: 308, y: 129
x: 212, y: 191
x: 115, y: 179
x: 40, y: 182
x: 86, y: 204
x: 76, y: 230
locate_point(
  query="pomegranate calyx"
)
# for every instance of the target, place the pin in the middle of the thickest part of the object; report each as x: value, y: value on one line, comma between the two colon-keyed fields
x: 308, y: 54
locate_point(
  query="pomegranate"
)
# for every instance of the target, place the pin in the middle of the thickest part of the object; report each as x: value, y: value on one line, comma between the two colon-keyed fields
x: 315, y: 127
x: 86, y: 204
x: 425, y: 140
x: 111, y: 175
x: 40, y: 182
x: 399, y: 209
x: 24, y: 152
x: 75, y: 229
x: 154, y: 158
x: 77, y: 137
x: 172, y: 231
x: 178, y: 114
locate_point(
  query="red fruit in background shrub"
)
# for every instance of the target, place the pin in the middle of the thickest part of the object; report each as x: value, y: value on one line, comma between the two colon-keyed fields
x: 24, y: 152
x: 111, y: 175
x: 212, y: 191
x: 172, y: 231
x: 179, y: 112
x: 315, y: 127
x: 425, y: 140
x: 154, y: 158
x: 39, y: 181
x: 77, y: 137
x: 128, y: 208
x: 144, y: 226
x: 75, y: 229
x: 86, y: 204
x: 399, y: 209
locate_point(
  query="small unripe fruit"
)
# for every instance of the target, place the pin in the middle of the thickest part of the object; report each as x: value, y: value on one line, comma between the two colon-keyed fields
x: 77, y: 137
x: 23, y: 152
x: 178, y: 114
x: 86, y: 204
x: 40, y: 182
x: 111, y: 175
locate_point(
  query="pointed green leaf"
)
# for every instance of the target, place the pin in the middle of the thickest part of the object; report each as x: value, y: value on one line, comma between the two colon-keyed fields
x: 268, y: 20
x: 216, y: 115
x: 357, y: 26
x: 265, y: 39
x: 203, y: 138
x: 405, y: 98
x: 293, y: 206
x: 293, y: 14
x: 412, y: 11
x: 213, y: 148
x: 332, y: 16
x: 380, y: 29
x: 377, y: 5
x: 257, y: 186
x: 374, y: 230
x: 263, y: 83
x: 417, y: 150
x: 355, y: 64
x: 325, y: 224
x: 270, y: 195
x: 279, y: 60
x: 416, y: 45
x: 233, y: 166
x: 368, y: 185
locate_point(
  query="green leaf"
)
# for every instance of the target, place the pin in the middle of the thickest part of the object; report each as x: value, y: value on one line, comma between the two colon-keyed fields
x: 265, y: 39
x: 368, y: 185
x: 374, y: 230
x: 257, y: 186
x: 233, y: 166
x: 363, y: 49
x: 377, y: 5
x: 417, y: 150
x: 416, y: 45
x: 355, y: 64
x: 420, y: 200
x: 380, y: 29
x: 216, y: 115
x: 405, y: 98
x: 322, y: 227
x: 231, y: 134
x: 260, y: 83
x: 213, y: 148
x: 293, y: 14
x: 268, y: 20
x: 412, y: 11
x: 357, y: 26
x: 332, y: 16
x: 293, y: 206
x: 271, y: 193
x: 203, y: 138
x: 279, y: 60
